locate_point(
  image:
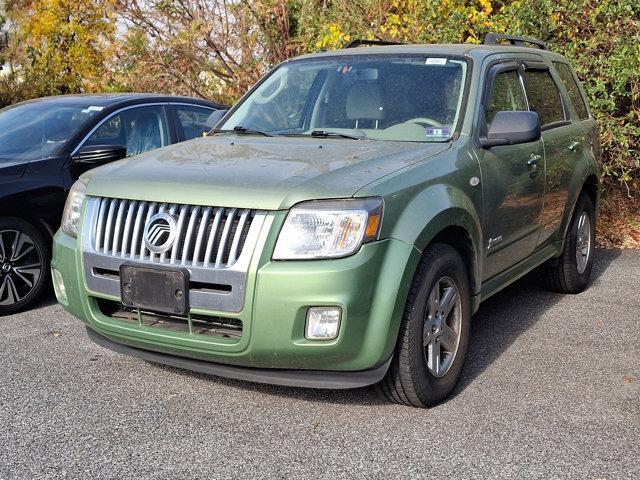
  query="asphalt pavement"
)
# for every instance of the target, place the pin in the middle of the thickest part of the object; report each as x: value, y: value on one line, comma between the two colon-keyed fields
x: 550, y: 389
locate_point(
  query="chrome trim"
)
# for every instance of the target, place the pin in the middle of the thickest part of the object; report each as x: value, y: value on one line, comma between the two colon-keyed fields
x: 105, y: 254
x: 212, y: 236
x: 129, y: 107
x: 225, y: 236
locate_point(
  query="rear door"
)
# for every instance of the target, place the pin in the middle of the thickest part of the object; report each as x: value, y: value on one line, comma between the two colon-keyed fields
x: 512, y: 179
x: 562, y: 141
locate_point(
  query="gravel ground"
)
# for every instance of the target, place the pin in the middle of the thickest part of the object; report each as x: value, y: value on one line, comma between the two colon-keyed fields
x: 551, y: 389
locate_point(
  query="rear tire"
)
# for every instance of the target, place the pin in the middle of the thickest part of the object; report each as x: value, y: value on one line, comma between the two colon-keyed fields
x: 571, y: 271
x: 24, y: 264
x: 434, y: 333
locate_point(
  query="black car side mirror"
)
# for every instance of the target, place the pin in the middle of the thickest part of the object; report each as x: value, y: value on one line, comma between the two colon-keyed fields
x: 94, y: 155
x: 512, y: 128
x: 214, y: 118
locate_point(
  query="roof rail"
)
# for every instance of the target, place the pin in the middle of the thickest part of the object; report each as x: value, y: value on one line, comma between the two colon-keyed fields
x: 358, y: 42
x: 492, y: 39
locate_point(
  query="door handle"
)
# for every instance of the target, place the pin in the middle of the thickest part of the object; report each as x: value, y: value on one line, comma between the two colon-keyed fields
x: 534, y: 160
x: 573, y: 146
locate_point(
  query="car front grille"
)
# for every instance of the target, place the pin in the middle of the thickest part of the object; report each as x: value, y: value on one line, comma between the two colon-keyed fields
x: 214, y: 243
x: 207, y: 236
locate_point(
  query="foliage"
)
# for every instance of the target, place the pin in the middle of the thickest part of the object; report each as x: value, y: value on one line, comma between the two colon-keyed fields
x: 60, y: 46
x: 210, y: 48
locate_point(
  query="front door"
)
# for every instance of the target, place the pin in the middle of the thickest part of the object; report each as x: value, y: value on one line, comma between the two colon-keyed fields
x: 513, y: 184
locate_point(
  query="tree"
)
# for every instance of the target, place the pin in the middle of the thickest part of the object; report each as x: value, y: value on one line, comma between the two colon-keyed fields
x: 210, y: 48
x: 61, y: 46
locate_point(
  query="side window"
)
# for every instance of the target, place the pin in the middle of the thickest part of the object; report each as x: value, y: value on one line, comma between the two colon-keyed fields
x: 573, y: 90
x: 544, y: 97
x: 192, y: 119
x: 139, y: 129
x: 506, y: 95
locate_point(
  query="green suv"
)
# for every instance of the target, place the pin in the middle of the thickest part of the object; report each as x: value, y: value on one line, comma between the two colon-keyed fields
x: 344, y: 220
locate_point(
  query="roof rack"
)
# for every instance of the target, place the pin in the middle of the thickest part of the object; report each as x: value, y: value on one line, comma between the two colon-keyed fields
x: 493, y: 38
x: 358, y: 42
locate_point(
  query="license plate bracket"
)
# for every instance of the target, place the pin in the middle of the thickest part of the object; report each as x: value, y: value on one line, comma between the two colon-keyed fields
x: 155, y: 289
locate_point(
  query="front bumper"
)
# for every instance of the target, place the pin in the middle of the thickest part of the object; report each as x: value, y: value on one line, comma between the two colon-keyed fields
x: 273, y: 376
x: 371, y: 288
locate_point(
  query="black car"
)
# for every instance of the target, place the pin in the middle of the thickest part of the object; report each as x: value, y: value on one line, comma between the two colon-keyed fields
x: 46, y: 144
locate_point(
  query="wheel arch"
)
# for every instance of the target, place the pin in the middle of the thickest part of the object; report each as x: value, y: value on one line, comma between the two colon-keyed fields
x: 40, y: 207
x: 444, y: 214
x: 589, y: 185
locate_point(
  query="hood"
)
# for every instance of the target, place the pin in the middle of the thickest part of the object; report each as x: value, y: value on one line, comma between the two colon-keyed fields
x: 255, y: 172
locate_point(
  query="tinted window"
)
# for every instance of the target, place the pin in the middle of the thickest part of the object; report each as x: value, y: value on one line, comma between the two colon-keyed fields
x: 192, y: 119
x: 139, y: 129
x: 507, y: 95
x: 40, y: 129
x: 544, y: 97
x: 573, y: 90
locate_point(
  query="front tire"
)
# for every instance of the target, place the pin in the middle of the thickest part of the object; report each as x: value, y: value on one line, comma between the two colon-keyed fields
x: 434, y: 332
x: 571, y: 271
x: 24, y: 264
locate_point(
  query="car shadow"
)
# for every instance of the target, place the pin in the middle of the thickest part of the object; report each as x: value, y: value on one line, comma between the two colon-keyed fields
x: 498, y: 323
x: 502, y: 318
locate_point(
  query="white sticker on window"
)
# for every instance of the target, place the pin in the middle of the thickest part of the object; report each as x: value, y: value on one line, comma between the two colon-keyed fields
x: 436, y: 61
x: 95, y: 109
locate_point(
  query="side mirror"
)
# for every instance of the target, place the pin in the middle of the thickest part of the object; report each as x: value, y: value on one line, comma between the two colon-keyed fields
x: 214, y: 118
x: 94, y: 155
x: 512, y: 128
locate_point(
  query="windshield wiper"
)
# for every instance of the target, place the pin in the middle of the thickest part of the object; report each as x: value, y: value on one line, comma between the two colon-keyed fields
x: 250, y: 131
x: 326, y: 134
x: 243, y: 131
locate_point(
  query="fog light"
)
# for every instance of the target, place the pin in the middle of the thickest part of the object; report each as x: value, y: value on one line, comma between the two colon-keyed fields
x: 58, y: 286
x: 323, y: 323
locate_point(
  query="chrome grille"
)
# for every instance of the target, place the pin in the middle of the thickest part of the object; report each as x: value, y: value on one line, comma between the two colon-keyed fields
x: 206, y: 236
x: 215, y: 244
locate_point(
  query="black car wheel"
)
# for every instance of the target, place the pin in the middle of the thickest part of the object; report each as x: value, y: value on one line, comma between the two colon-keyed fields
x: 434, y: 332
x: 571, y: 271
x: 24, y: 264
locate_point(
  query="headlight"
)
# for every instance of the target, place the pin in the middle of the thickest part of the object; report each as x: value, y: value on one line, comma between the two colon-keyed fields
x: 71, y: 214
x: 328, y: 229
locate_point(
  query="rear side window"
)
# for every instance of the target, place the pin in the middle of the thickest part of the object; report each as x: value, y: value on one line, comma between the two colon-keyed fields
x: 193, y: 120
x: 506, y: 95
x: 544, y: 97
x: 573, y: 90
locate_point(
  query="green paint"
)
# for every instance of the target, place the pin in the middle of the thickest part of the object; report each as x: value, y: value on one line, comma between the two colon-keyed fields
x: 427, y: 188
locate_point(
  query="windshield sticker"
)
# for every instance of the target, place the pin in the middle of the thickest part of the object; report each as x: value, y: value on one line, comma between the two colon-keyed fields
x: 438, y: 132
x: 436, y: 61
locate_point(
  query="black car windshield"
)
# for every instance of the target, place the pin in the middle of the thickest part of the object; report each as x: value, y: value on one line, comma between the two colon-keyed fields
x: 380, y: 97
x: 41, y: 129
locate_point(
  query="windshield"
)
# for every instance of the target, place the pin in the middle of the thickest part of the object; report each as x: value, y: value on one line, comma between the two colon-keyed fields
x: 39, y: 130
x: 381, y: 97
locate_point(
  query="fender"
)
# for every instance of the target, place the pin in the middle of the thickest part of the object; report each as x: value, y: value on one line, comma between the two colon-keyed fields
x: 587, y: 168
x: 434, y: 210
x: 43, y: 203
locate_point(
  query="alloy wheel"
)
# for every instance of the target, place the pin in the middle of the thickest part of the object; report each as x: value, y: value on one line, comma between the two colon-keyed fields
x: 583, y: 242
x: 442, y: 326
x: 20, y: 266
